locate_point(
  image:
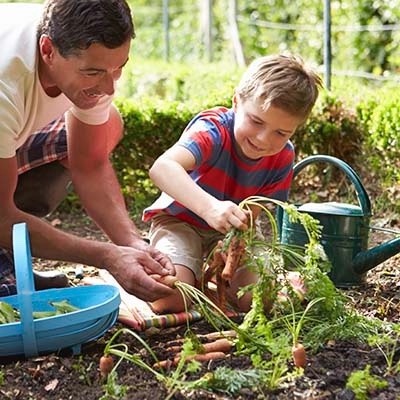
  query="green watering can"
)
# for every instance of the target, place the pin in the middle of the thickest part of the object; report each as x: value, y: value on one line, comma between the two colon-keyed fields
x: 345, y: 230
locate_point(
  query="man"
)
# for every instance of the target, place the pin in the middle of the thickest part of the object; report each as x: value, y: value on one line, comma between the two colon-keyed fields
x: 58, y: 69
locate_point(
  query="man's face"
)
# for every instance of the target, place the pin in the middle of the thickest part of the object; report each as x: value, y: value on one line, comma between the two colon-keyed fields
x: 83, y: 78
x: 261, y: 133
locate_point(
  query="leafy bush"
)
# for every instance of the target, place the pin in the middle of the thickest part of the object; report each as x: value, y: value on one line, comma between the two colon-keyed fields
x: 381, y: 117
x: 332, y: 129
x: 150, y: 128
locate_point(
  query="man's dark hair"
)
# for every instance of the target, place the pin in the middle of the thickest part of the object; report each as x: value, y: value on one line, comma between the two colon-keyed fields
x: 74, y: 25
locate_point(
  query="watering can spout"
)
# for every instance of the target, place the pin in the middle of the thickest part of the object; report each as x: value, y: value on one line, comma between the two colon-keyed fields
x: 369, y: 259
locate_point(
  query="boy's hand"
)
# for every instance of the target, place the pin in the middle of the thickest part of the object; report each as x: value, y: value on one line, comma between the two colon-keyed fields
x: 225, y: 215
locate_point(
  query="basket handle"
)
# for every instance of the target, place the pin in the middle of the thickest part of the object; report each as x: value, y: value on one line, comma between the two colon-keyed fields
x: 25, y: 286
x: 362, y: 195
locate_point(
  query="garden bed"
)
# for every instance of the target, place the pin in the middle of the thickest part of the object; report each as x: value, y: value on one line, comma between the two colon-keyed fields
x: 64, y: 376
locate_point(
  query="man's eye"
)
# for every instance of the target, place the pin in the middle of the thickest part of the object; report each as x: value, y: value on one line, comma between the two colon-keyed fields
x: 94, y: 73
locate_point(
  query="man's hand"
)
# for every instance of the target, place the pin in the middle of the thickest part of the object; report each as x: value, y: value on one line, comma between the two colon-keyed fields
x: 158, y: 259
x: 131, y: 267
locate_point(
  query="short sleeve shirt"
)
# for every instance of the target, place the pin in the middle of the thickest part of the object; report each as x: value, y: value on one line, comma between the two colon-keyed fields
x: 24, y: 106
x: 222, y: 171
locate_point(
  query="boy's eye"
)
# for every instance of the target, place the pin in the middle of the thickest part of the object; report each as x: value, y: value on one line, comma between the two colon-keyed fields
x: 256, y: 121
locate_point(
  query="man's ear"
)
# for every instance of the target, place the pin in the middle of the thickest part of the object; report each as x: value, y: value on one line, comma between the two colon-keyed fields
x: 47, y: 49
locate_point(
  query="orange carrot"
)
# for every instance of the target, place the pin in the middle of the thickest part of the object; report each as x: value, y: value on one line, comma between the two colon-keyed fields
x: 216, y: 264
x: 106, y: 365
x: 221, y: 290
x: 299, y: 355
x: 215, y: 355
x: 223, y: 345
x: 219, y: 334
x: 234, y: 254
x: 168, y: 280
x: 212, y: 355
x: 163, y: 364
x: 220, y: 344
x: 209, y: 337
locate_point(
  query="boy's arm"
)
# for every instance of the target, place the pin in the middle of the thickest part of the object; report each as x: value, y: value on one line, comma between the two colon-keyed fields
x: 169, y: 173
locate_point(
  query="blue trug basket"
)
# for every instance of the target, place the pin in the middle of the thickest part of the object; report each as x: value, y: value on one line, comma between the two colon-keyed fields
x: 98, y: 310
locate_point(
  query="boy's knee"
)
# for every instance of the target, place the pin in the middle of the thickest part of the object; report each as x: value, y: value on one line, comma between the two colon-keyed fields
x: 171, y: 304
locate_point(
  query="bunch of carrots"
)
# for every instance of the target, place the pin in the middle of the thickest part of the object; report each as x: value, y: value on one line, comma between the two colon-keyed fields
x: 217, y: 346
x: 227, y: 257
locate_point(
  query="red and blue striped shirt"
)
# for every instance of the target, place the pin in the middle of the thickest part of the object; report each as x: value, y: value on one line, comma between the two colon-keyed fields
x: 221, y: 171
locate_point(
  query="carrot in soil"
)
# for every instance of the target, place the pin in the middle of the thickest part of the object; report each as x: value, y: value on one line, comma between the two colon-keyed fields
x: 235, y: 252
x: 106, y: 365
x: 211, y: 336
x: 220, y: 345
x: 216, y: 355
x: 299, y: 355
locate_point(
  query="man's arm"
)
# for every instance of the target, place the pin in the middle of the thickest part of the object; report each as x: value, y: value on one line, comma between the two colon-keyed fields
x: 125, y: 263
x: 94, y: 179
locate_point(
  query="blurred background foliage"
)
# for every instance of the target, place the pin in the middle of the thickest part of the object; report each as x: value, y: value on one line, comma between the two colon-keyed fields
x: 365, y: 33
x: 358, y: 120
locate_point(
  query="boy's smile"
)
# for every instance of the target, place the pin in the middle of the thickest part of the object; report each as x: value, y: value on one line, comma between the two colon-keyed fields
x: 261, y: 133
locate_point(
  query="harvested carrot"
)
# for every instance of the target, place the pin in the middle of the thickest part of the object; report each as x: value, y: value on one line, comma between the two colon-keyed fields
x: 168, y: 280
x: 106, y: 365
x: 219, y: 334
x: 216, y: 264
x: 216, y: 355
x: 164, y: 364
x: 209, y: 337
x: 221, y: 290
x: 299, y: 355
x: 212, y: 355
x: 235, y: 252
x: 223, y: 345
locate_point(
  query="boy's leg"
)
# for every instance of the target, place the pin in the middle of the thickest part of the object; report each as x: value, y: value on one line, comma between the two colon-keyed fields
x: 183, y: 245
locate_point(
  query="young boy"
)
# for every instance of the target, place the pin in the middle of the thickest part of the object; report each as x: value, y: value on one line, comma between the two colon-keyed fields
x: 224, y: 156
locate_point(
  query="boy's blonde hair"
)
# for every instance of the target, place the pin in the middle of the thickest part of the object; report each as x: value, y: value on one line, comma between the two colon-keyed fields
x: 282, y: 81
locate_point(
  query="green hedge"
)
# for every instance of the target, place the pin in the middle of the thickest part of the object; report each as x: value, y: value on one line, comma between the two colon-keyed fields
x: 334, y: 128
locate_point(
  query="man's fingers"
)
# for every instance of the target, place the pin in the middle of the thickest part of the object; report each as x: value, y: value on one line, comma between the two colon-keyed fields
x: 164, y: 262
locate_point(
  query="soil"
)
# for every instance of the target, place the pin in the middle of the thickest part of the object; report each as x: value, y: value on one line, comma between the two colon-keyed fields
x: 65, y: 376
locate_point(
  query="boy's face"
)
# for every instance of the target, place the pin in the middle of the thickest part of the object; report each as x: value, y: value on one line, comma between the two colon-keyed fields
x: 86, y: 77
x: 261, y: 133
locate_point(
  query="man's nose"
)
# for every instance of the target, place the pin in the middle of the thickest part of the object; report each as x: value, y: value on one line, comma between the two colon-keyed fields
x: 108, y: 85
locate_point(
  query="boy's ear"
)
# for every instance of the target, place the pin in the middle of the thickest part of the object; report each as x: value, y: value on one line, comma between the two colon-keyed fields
x: 234, y: 102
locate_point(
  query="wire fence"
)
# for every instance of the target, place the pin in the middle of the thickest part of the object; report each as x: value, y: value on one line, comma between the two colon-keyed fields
x: 176, y: 33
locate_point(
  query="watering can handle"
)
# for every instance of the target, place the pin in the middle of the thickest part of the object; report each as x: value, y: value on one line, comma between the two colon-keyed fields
x: 362, y: 195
